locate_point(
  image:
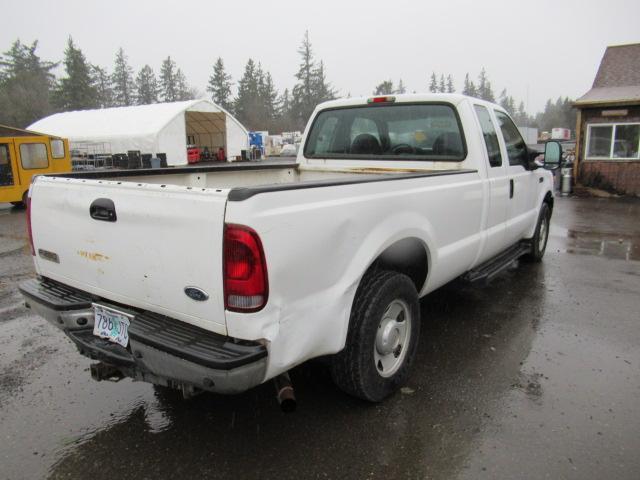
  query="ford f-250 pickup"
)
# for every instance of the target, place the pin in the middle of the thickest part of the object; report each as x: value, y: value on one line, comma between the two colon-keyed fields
x: 221, y: 278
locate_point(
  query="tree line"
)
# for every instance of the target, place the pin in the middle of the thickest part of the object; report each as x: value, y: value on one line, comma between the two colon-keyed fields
x: 258, y: 105
x: 555, y: 114
x: 29, y: 90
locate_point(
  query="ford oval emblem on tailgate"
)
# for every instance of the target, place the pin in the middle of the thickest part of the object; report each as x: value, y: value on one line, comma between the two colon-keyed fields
x: 196, y: 294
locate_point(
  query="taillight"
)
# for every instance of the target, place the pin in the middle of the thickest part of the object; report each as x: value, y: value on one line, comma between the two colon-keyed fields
x: 246, y: 287
x: 387, y: 99
x: 29, y: 232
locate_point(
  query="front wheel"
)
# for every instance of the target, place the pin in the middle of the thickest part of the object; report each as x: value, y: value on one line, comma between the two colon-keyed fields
x: 382, y: 339
x: 541, y: 235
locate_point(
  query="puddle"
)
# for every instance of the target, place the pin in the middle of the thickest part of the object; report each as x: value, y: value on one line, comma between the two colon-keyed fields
x: 615, y: 246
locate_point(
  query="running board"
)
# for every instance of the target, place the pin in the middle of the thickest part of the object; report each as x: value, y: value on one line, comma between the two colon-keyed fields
x: 495, y: 265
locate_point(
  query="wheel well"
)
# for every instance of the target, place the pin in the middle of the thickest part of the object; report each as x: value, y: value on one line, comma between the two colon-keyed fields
x: 548, y: 199
x: 407, y: 256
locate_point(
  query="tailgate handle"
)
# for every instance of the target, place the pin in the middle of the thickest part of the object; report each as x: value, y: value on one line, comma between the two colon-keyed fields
x: 103, y: 209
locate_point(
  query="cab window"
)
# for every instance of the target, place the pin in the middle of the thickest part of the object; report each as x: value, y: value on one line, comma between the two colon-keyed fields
x: 326, y: 134
x: 516, y: 148
x: 33, y: 155
x: 490, y: 136
x: 425, y: 131
x: 57, y: 148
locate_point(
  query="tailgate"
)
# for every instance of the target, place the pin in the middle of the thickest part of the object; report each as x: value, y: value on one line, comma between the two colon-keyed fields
x: 164, y: 239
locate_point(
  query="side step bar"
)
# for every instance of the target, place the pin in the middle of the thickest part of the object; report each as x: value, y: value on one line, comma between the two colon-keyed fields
x: 492, y: 267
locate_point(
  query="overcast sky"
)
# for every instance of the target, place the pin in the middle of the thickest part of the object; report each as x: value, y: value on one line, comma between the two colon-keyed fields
x: 536, y: 49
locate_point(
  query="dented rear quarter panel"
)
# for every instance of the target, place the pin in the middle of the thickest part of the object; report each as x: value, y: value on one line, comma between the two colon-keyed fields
x: 319, y: 242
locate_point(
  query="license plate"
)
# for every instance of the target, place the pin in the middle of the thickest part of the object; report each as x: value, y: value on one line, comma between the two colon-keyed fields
x: 111, y: 324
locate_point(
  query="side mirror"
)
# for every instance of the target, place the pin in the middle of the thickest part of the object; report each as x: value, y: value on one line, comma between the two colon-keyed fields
x: 552, y: 156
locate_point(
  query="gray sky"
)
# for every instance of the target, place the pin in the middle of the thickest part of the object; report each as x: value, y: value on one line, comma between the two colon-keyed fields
x: 545, y: 48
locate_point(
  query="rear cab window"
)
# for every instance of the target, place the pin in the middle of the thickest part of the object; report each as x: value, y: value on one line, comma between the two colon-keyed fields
x: 402, y: 131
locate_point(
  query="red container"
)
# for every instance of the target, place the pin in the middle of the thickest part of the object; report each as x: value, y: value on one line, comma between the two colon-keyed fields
x: 193, y: 155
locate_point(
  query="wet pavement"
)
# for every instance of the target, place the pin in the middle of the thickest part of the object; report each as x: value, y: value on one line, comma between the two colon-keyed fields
x: 536, y: 375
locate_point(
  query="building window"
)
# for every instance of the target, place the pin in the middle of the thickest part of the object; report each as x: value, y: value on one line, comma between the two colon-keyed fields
x: 34, y: 155
x: 619, y: 141
x: 57, y: 148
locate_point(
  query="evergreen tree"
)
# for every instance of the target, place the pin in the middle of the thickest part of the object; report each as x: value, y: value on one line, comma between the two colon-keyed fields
x: 312, y: 86
x: 102, y: 83
x: 302, y: 104
x: 469, y: 87
x: 484, y: 87
x: 269, y: 96
x: 168, y: 81
x: 26, y: 85
x: 146, y: 86
x: 401, y: 88
x: 122, y: 80
x: 433, y: 85
x: 247, y: 100
x: 450, y: 87
x: 76, y: 90
x: 384, y: 88
x: 183, y: 91
x: 284, y: 122
x: 521, y: 117
x: 441, y: 87
x: 560, y: 114
x: 220, y: 86
x: 507, y: 102
x: 322, y: 90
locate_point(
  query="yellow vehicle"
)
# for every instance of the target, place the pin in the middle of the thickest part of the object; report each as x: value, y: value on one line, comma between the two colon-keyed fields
x: 24, y: 154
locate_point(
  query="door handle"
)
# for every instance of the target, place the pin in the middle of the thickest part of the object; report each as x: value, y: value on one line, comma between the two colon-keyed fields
x: 511, y: 188
x: 103, y: 209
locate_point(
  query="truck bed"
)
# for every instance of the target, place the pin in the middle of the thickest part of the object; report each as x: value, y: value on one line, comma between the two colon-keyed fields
x: 245, y: 180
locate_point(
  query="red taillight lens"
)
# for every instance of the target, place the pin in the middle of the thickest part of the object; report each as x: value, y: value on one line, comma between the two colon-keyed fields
x: 29, y: 232
x: 246, y: 287
x: 387, y: 99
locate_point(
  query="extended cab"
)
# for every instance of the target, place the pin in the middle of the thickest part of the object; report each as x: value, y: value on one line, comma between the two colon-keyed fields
x: 221, y: 278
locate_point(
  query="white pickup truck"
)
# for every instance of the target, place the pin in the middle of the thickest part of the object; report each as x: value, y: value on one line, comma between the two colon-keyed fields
x: 221, y: 278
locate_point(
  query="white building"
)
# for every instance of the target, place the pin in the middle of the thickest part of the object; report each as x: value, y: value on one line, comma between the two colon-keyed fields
x: 157, y: 128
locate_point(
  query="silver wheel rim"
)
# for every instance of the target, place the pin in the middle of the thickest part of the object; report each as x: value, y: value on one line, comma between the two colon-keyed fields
x: 392, y: 338
x: 544, y: 228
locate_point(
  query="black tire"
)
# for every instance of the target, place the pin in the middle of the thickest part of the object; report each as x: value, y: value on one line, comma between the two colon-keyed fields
x: 354, y: 369
x: 538, y: 247
x: 23, y: 203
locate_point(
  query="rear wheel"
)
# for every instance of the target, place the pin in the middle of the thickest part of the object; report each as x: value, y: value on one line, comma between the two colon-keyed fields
x: 541, y: 235
x: 382, y: 339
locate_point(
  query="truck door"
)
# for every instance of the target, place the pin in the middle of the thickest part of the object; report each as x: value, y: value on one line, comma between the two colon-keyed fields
x: 495, y: 228
x: 521, y: 211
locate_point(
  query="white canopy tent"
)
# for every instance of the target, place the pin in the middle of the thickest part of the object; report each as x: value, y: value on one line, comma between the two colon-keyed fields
x: 156, y: 128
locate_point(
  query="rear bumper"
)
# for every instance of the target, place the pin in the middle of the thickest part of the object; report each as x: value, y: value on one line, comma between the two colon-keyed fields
x: 161, y: 350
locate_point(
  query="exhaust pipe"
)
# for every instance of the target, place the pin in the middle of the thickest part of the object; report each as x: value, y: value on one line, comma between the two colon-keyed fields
x: 284, y: 392
x: 102, y: 371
